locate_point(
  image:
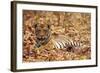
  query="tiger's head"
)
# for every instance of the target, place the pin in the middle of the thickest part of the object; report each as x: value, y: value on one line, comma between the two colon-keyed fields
x: 42, y: 32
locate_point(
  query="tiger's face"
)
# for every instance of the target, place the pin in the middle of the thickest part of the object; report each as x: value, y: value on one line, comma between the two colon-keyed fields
x: 42, y: 32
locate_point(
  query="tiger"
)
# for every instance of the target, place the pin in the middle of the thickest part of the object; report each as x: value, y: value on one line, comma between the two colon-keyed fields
x: 42, y: 32
x: 43, y: 36
x: 63, y: 42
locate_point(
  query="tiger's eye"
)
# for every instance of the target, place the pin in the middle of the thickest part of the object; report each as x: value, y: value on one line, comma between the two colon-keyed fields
x: 46, y: 30
x: 38, y: 30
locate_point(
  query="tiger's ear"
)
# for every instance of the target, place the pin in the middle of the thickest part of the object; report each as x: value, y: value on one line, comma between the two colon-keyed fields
x: 34, y: 25
x: 49, y: 25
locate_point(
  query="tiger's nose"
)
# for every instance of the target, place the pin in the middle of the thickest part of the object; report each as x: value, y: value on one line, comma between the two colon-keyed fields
x: 42, y: 34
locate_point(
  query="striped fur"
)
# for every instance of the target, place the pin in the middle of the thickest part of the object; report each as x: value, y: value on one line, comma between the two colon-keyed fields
x: 63, y: 42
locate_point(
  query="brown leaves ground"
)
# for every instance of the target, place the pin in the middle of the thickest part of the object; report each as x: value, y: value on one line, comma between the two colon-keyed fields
x: 75, y: 26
